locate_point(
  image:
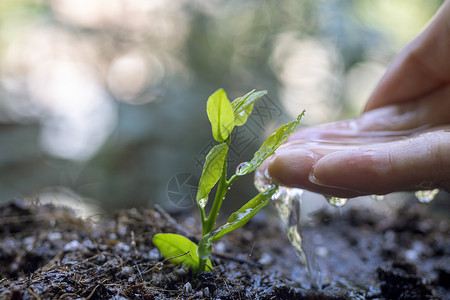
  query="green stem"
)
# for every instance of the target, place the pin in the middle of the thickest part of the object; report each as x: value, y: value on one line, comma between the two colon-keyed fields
x: 202, y: 266
x: 204, y: 251
x: 232, y: 179
x: 202, y: 213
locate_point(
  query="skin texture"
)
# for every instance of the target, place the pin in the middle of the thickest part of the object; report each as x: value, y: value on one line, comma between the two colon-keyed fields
x: 400, y: 142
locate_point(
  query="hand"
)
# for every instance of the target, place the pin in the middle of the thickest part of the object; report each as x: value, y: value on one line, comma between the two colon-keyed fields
x: 401, y: 142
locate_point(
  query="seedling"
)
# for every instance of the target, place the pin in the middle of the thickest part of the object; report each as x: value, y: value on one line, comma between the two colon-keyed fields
x: 224, y: 116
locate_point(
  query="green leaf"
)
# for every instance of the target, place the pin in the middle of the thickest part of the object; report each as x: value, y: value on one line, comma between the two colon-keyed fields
x: 220, y: 114
x: 174, y: 246
x: 244, y: 214
x: 212, y: 170
x: 275, y: 140
x: 243, y: 106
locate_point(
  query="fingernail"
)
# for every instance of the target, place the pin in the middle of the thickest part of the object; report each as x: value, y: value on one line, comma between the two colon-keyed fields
x: 313, y: 178
x: 341, y: 170
x: 291, y: 166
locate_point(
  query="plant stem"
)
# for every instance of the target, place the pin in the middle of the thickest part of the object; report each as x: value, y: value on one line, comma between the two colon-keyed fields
x: 232, y: 179
x: 202, y: 213
x: 202, y: 266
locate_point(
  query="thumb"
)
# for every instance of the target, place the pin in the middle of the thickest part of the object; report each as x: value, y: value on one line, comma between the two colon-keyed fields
x: 420, y: 162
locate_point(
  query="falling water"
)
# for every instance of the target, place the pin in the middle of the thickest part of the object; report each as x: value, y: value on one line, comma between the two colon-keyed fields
x: 377, y: 197
x: 336, y: 201
x: 287, y: 202
x: 426, y: 196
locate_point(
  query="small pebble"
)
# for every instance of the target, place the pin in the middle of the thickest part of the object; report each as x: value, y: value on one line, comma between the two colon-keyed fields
x: 126, y: 272
x: 206, y: 292
x: 14, y: 267
x: 248, y: 235
x: 123, y: 247
x: 54, y: 236
x: 122, y: 230
x: 411, y: 255
x: 182, y: 271
x: 190, y: 221
x: 73, y: 246
x: 118, y: 297
x: 157, y: 278
x: 187, y: 288
x: 154, y: 254
x: 322, y: 251
x: 220, y: 247
x: 266, y: 259
x: 101, y: 258
x: 88, y: 244
x: 29, y: 242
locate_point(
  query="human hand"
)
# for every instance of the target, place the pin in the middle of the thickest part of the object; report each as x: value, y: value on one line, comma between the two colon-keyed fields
x: 401, y: 142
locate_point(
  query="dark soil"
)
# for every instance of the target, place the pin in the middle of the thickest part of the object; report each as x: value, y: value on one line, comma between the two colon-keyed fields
x: 48, y: 253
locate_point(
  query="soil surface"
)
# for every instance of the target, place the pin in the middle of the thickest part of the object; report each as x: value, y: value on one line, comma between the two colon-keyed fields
x: 46, y: 252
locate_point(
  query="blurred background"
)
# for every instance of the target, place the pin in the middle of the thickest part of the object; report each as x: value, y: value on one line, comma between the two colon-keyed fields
x: 104, y: 100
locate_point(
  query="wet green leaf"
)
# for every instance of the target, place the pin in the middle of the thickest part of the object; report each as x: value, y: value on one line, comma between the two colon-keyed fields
x: 212, y: 170
x: 179, y: 249
x: 220, y: 114
x: 244, y: 214
x: 275, y: 140
x: 243, y: 106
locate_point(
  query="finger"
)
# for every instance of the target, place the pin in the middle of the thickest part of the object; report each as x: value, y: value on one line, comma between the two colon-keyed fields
x: 420, y: 68
x: 292, y: 167
x: 415, y: 163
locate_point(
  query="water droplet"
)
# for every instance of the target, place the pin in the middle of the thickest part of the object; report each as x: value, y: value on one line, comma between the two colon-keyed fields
x: 261, y: 183
x: 202, y: 202
x: 426, y: 196
x: 377, y: 197
x: 336, y: 201
x: 242, y: 168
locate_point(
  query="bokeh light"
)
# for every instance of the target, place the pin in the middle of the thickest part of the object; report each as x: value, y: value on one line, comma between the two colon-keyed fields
x: 106, y: 98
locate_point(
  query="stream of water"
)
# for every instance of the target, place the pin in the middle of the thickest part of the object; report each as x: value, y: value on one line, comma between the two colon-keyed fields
x: 287, y: 201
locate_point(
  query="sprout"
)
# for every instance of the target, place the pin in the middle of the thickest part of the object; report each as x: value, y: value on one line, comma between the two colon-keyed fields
x: 223, y: 116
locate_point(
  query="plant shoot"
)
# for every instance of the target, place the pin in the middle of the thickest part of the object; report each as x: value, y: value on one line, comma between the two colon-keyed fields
x: 223, y: 116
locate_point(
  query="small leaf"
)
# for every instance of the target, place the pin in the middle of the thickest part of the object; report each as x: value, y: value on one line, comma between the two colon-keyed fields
x: 275, y: 140
x: 220, y: 114
x: 172, y: 245
x: 244, y: 214
x: 212, y: 170
x: 243, y: 106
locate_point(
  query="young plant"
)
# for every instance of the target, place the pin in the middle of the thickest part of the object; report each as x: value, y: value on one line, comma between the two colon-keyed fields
x: 223, y: 116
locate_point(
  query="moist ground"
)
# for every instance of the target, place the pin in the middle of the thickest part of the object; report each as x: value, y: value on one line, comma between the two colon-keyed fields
x: 47, y: 252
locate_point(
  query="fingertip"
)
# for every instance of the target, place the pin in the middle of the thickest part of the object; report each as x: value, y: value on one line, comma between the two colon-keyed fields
x: 291, y: 166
